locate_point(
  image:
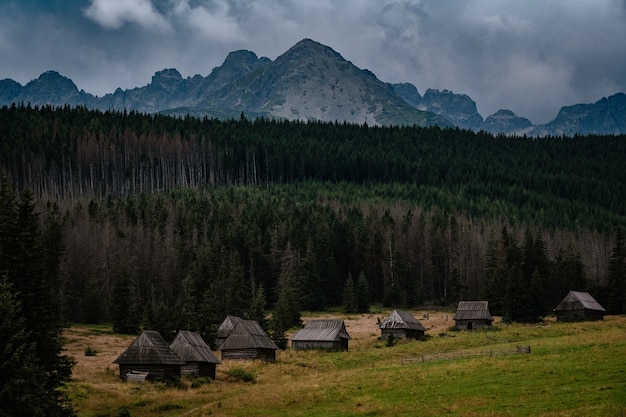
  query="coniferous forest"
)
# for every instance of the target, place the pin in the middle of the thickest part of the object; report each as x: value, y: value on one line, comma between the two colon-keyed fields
x: 170, y: 223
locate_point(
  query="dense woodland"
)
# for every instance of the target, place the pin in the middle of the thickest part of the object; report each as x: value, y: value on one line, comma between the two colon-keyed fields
x: 173, y: 223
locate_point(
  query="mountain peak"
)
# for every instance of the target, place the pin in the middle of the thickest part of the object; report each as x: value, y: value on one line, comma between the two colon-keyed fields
x: 309, y: 47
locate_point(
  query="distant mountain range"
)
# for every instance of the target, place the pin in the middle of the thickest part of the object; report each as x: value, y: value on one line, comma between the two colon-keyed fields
x: 311, y: 81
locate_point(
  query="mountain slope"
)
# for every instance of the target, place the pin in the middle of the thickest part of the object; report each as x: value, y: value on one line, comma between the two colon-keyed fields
x: 311, y: 81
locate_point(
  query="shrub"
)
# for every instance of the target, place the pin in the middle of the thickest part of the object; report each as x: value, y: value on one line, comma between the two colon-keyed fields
x: 123, y: 412
x: 90, y: 352
x: 241, y: 374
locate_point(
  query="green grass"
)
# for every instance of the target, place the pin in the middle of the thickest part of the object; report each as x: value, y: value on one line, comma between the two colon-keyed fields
x: 574, y: 369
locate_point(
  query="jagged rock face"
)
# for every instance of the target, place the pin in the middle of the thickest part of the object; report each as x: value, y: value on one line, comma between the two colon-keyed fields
x: 409, y: 93
x: 9, y: 91
x: 311, y: 82
x: 605, y: 116
x: 460, y: 109
x: 507, y: 123
x: 50, y: 88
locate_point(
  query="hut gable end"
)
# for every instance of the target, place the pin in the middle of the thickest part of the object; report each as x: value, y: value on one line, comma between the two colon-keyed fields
x: 471, y: 315
x: 150, y: 354
x: 401, y: 324
x: 577, y: 306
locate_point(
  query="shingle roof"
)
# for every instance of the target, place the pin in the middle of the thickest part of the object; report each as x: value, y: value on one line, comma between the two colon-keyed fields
x: 191, y: 347
x: 227, y: 326
x: 149, y: 348
x: 248, y: 334
x: 322, y: 330
x: 401, y: 320
x: 473, y: 310
x: 579, y: 300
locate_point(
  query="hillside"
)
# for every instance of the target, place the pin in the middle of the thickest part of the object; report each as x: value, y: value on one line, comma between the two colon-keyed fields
x: 556, y: 378
x: 202, y: 211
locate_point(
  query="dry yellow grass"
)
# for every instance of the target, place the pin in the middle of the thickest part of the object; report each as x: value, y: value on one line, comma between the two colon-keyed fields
x: 370, y: 379
x: 97, y: 389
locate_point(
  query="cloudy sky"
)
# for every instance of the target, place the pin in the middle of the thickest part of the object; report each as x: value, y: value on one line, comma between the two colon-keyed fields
x: 530, y: 56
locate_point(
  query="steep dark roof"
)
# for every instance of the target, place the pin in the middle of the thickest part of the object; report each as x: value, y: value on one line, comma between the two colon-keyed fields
x: 579, y: 300
x: 227, y: 326
x: 248, y: 334
x: 149, y: 348
x: 402, y: 320
x: 473, y: 310
x: 322, y: 330
x: 191, y: 347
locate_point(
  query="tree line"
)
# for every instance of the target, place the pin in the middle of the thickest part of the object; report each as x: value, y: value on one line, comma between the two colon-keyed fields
x: 175, y: 222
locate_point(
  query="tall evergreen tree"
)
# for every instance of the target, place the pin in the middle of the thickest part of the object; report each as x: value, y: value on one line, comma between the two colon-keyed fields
x: 32, y: 267
x: 22, y: 382
x: 616, y: 281
x: 349, y: 296
x: 286, y: 312
x: 257, y: 310
x: 362, y: 295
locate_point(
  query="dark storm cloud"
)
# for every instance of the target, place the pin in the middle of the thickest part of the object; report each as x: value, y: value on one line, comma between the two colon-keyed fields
x: 531, y: 57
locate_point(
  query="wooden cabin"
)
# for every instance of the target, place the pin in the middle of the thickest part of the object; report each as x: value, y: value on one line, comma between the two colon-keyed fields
x: 579, y: 306
x: 248, y: 341
x: 151, y: 357
x: 472, y: 315
x: 401, y: 325
x: 225, y: 328
x: 321, y: 335
x: 198, y: 357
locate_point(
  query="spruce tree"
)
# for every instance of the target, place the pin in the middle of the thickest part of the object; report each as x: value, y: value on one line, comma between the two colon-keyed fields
x: 362, y: 294
x: 31, y: 263
x: 349, y: 296
x: 616, y: 281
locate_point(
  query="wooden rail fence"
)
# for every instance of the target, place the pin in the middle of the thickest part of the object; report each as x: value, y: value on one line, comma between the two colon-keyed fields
x: 463, y: 354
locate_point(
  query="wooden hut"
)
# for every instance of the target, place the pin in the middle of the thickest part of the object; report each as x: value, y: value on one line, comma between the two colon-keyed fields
x: 579, y: 306
x: 225, y: 328
x: 322, y: 335
x: 198, y: 357
x: 248, y: 340
x: 471, y: 315
x: 401, y: 324
x: 150, y: 355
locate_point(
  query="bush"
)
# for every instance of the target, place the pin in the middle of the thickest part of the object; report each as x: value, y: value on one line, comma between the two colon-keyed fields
x: 123, y: 412
x: 90, y: 352
x: 241, y: 374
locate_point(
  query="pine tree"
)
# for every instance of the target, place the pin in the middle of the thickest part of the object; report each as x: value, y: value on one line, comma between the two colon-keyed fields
x: 362, y: 294
x: 22, y: 382
x: 257, y: 308
x: 31, y: 265
x: 616, y: 281
x: 123, y: 311
x: 286, y: 312
x: 349, y: 296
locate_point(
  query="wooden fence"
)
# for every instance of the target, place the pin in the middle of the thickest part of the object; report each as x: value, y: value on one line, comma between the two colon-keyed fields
x: 463, y: 354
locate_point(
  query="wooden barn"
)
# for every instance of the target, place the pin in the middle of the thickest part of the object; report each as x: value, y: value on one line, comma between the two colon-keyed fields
x: 401, y: 324
x: 471, y: 315
x: 248, y: 340
x: 198, y: 357
x: 150, y: 355
x: 321, y: 335
x: 225, y: 328
x: 579, y: 306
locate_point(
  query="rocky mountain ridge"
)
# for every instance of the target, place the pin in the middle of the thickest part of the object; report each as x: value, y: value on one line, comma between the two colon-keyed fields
x: 311, y: 81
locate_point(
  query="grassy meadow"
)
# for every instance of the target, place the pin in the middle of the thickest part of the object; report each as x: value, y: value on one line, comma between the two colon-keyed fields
x: 574, y: 369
